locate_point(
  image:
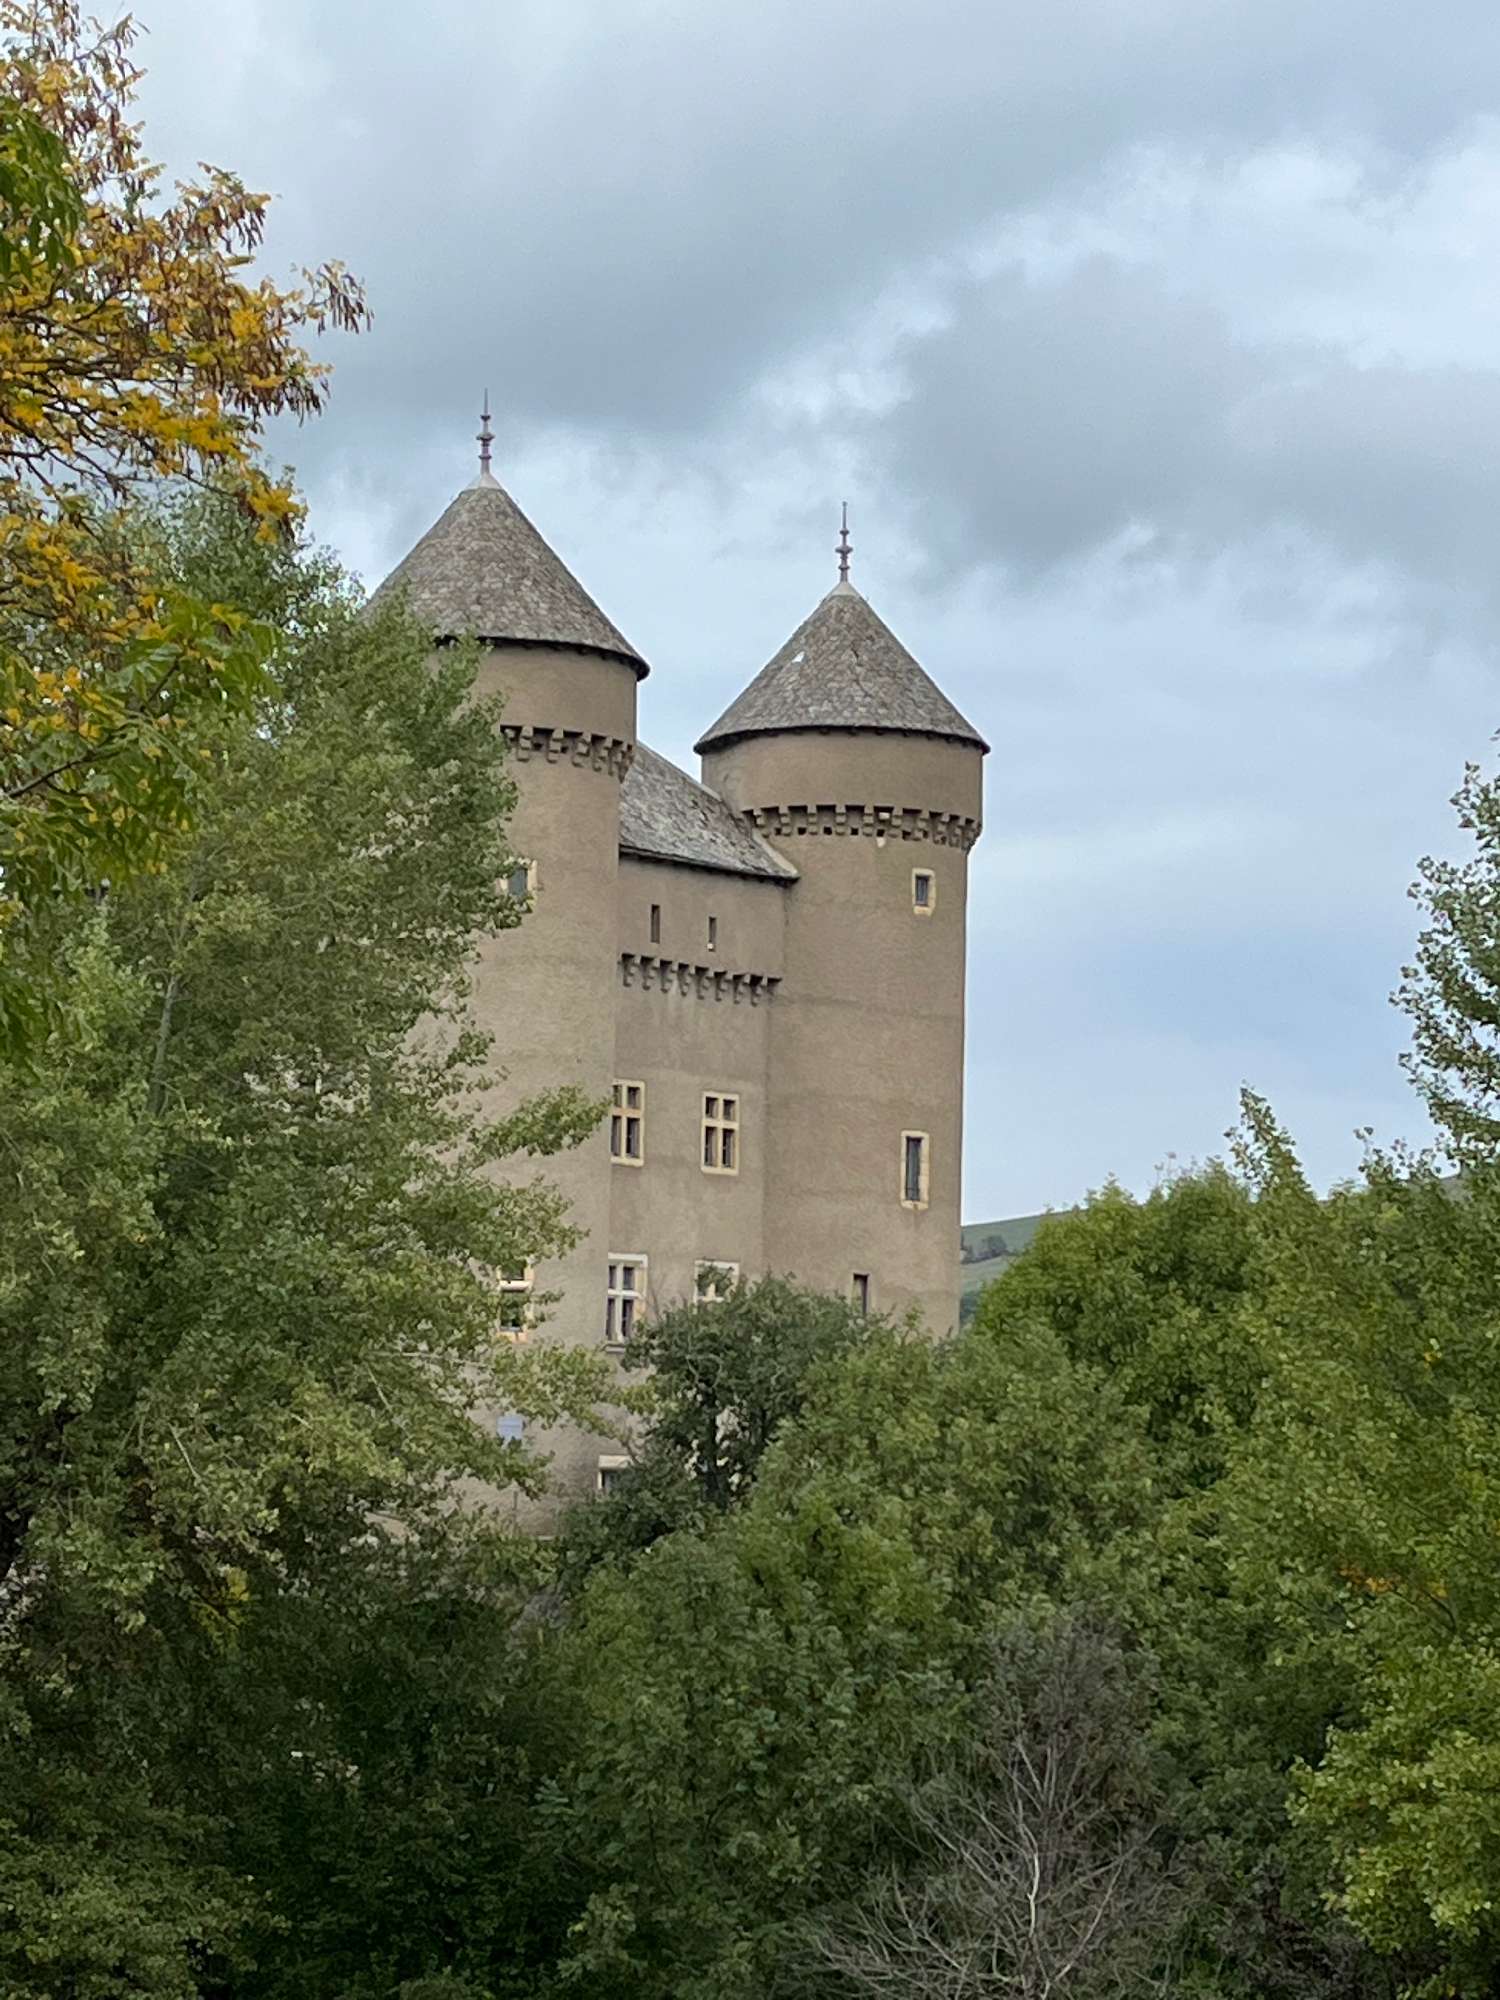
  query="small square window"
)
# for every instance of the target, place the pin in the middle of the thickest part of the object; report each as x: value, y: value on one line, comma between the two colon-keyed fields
x: 624, y: 1298
x: 520, y: 882
x: 923, y: 891
x: 721, y: 1134
x: 714, y: 1278
x: 914, y: 1169
x: 859, y: 1291
x: 510, y: 1427
x: 656, y: 923
x: 627, y: 1124
x: 609, y: 1473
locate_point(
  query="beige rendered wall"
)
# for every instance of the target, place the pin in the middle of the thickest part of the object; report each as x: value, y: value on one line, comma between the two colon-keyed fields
x: 692, y: 1021
x: 547, y: 990
x: 867, y: 1038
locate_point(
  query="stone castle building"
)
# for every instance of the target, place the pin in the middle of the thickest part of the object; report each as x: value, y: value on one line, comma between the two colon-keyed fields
x: 762, y: 972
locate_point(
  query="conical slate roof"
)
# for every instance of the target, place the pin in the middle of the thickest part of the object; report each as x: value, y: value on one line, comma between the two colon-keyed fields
x: 483, y: 568
x: 843, y: 668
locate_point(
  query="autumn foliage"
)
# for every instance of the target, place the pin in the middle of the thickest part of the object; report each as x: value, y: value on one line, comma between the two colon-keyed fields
x: 137, y: 346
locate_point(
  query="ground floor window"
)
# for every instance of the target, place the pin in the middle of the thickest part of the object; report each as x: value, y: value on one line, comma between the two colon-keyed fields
x: 714, y: 1278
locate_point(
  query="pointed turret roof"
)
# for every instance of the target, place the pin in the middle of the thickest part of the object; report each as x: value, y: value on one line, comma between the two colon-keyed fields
x: 483, y: 568
x: 843, y: 668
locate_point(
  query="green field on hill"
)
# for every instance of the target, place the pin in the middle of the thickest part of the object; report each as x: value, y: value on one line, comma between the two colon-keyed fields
x: 988, y: 1247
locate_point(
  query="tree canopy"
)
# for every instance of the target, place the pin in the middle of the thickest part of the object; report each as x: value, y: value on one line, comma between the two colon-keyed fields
x: 136, y: 346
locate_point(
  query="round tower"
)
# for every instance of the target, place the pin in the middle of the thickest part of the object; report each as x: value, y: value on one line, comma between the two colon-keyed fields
x: 547, y: 990
x: 845, y: 754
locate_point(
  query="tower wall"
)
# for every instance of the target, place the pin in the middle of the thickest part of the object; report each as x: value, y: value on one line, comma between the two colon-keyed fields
x: 867, y: 1032
x: 547, y: 990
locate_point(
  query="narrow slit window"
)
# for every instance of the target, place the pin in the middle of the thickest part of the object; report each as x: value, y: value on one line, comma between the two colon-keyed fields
x: 860, y: 1291
x: 714, y: 1278
x: 656, y: 923
x: 721, y: 1134
x: 627, y: 1124
x: 624, y: 1298
x: 923, y: 891
x: 713, y: 934
x: 914, y: 1169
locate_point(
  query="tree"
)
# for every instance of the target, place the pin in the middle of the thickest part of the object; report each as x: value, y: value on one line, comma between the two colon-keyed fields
x: 1034, y: 1867
x: 1451, y: 993
x: 1364, y: 1505
x: 750, y: 1695
x: 1168, y: 1297
x: 1150, y: 1291
x: 134, y: 348
x: 250, y: 1288
x: 724, y: 1377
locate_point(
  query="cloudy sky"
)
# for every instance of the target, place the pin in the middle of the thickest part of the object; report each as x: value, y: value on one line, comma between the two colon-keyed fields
x: 1156, y: 345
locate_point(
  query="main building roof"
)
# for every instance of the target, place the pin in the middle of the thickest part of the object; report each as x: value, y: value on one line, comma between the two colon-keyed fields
x: 666, y: 816
x: 843, y: 668
x: 483, y: 568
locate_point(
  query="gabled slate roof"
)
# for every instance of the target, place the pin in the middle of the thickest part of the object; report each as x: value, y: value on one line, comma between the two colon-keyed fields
x: 666, y: 816
x: 843, y: 668
x: 483, y: 568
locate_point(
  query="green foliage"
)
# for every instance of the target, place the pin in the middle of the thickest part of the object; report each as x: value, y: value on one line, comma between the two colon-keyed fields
x: 723, y: 1378
x: 760, y: 1687
x: 1038, y: 1861
x: 1371, y: 1475
x: 1150, y: 1292
x: 40, y: 208
x: 249, y: 1290
x: 1451, y: 993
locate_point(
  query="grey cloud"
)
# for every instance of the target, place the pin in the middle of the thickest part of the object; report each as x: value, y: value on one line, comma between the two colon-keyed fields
x: 1051, y: 418
x: 638, y: 219
x: 631, y: 211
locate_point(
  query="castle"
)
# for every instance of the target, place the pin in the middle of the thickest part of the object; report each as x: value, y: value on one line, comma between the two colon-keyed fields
x: 761, y: 973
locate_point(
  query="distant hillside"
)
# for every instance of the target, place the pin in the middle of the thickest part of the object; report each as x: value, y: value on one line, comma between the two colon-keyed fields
x: 987, y: 1248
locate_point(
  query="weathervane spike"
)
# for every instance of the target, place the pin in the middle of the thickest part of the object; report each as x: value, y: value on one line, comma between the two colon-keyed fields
x: 845, y: 546
x: 486, y: 437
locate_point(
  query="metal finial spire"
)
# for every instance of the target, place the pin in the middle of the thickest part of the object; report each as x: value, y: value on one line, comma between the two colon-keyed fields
x: 486, y: 437
x: 845, y: 546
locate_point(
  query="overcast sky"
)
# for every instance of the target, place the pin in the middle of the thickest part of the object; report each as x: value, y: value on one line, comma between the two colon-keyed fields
x: 1156, y: 345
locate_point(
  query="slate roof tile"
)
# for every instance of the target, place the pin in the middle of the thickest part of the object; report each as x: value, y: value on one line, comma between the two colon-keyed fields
x: 483, y: 568
x: 843, y: 668
x: 666, y: 816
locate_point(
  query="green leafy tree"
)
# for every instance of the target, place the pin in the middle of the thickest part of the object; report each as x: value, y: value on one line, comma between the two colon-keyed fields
x: 249, y: 1281
x: 1149, y: 1291
x: 1038, y: 1864
x: 1168, y: 1297
x: 1451, y: 992
x: 751, y: 1694
x: 1365, y: 1504
x: 134, y: 347
x: 723, y: 1378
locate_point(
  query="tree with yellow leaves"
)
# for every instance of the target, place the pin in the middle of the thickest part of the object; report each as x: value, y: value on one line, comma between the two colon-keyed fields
x: 137, y: 346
